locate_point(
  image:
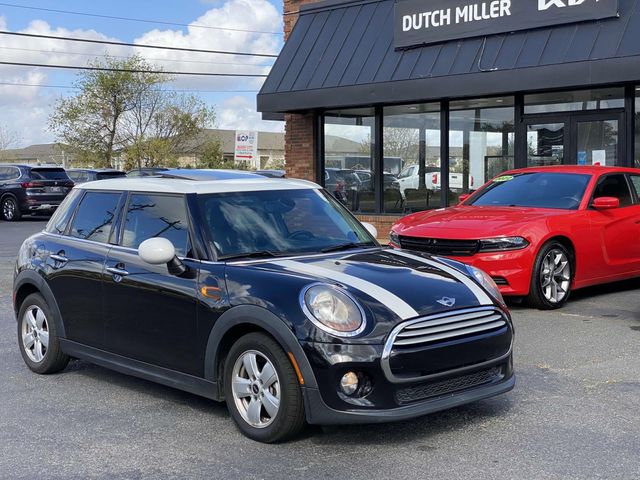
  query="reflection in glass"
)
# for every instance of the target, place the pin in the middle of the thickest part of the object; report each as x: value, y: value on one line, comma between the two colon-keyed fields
x: 481, y: 145
x: 545, y: 144
x: 598, y: 143
x: 94, y: 217
x: 157, y: 216
x: 348, y: 158
x: 576, y: 100
x: 411, y: 140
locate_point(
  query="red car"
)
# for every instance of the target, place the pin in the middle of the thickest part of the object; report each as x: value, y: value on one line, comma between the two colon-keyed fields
x: 539, y: 232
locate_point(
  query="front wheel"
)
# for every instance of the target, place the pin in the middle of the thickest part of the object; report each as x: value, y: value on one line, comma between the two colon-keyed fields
x: 552, y: 277
x: 262, y: 390
x: 38, y: 338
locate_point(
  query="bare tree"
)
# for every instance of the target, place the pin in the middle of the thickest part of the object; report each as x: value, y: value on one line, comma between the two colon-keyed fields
x: 8, y: 138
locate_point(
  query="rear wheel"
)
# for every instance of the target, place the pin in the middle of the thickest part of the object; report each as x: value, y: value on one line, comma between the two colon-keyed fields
x: 38, y: 337
x: 262, y: 390
x: 552, y: 277
x: 10, y: 210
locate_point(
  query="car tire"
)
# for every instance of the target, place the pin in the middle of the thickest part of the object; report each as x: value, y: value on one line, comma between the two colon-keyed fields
x: 552, y: 277
x: 38, y: 337
x: 257, y: 372
x: 10, y: 209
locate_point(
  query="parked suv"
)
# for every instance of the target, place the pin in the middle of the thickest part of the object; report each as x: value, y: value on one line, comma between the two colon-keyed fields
x: 29, y: 189
x: 264, y: 293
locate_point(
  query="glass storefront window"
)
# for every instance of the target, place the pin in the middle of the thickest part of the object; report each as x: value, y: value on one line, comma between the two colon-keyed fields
x: 348, y: 158
x: 481, y: 143
x: 411, y: 143
x: 576, y: 100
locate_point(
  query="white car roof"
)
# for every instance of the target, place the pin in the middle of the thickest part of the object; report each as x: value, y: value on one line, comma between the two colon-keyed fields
x: 172, y: 185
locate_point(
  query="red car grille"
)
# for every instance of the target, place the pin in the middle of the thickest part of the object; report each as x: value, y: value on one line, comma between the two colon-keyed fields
x: 440, y: 246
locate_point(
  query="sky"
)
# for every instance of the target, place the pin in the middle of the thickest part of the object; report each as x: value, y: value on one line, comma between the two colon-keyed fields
x: 25, y: 109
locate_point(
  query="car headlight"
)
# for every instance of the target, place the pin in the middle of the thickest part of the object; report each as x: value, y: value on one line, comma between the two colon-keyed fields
x: 394, y: 238
x: 485, y: 281
x: 502, y: 244
x: 333, y: 310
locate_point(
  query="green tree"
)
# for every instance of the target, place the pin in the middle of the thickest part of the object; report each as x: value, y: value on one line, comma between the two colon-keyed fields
x: 211, y: 155
x: 125, y: 111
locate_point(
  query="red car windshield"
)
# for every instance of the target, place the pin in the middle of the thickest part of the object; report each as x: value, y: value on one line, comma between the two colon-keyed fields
x: 537, y: 189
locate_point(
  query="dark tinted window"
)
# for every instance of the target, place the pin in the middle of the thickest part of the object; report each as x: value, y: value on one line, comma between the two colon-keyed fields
x: 615, y: 186
x: 60, y: 219
x: 95, y: 216
x: 78, y: 176
x: 151, y: 216
x: 49, y: 174
x: 541, y: 190
x: 107, y: 175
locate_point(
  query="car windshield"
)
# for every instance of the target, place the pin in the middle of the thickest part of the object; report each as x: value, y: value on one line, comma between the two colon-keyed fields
x: 49, y: 174
x: 108, y: 175
x: 280, y: 223
x: 537, y: 189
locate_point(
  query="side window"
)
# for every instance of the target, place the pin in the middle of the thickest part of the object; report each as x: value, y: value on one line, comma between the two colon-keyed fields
x: 635, y: 180
x: 614, y: 186
x: 95, y: 216
x: 4, y: 173
x: 150, y: 216
x: 78, y: 176
x: 14, y: 173
x: 60, y: 219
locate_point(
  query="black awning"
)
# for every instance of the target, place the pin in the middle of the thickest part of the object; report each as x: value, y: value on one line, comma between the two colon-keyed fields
x: 342, y: 54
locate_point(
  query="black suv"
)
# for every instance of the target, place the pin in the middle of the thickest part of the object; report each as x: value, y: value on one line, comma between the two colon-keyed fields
x: 29, y: 189
x: 82, y: 175
x: 265, y: 293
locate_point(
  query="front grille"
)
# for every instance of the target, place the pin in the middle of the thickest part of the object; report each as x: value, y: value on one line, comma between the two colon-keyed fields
x: 439, y: 246
x: 443, y: 387
x: 446, y: 326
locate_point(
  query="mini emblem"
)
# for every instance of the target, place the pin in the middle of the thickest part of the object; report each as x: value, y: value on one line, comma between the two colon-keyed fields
x: 447, y: 302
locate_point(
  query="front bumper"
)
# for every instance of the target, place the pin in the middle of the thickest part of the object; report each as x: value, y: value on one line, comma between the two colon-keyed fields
x: 318, y: 413
x: 514, y: 267
x: 464, y: 381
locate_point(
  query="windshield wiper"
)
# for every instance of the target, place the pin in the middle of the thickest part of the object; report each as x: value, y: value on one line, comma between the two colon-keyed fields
x: 258, y: 254
x: 344, y: 246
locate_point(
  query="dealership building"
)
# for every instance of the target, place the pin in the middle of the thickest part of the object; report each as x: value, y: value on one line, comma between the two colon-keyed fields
x: 438, y: 96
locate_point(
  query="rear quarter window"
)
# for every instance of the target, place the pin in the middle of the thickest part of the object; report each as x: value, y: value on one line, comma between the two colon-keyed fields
x: 60, y: 219
x: 95, y: 216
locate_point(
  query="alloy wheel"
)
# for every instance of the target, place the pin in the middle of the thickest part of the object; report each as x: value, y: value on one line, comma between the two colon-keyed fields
x: 35, y: 334
x: 256, y: 389
x: 9, y: 209
x: 555, y: 276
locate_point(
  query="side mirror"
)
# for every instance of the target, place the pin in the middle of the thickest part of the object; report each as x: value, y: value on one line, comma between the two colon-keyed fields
x: 371, y: 229
x: 462, y: 198
x: 158, y: 251
x: 606, y: 203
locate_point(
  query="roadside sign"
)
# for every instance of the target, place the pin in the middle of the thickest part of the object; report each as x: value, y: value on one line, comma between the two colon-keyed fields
x: 246, y: 146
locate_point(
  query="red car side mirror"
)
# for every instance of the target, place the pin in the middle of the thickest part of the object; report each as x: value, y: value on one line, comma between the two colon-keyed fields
x: 606, y: 203
x: 462, y: 198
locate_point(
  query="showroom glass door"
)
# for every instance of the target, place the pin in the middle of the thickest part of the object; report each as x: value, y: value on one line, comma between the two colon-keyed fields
x: 596, y: 139
x: 547, y: 141
x: 579, y: 138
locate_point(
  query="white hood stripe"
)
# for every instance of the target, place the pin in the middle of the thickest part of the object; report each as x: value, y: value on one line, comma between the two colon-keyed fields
x: 388, y: 299
x: 480, y: 294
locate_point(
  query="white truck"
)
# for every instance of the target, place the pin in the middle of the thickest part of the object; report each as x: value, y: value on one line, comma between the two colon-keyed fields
x: 409, y: 178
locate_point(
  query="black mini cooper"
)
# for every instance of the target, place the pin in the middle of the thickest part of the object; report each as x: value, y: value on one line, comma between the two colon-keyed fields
x: 265, y: 293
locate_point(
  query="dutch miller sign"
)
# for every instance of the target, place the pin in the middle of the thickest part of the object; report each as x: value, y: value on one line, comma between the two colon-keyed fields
x: 422, y: 22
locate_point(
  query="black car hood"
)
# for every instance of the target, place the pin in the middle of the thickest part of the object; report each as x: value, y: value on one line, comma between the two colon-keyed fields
x: 408, y: 284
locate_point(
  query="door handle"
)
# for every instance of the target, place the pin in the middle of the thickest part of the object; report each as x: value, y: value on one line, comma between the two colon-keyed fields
x: 59, y: 258
x: 117, y: 272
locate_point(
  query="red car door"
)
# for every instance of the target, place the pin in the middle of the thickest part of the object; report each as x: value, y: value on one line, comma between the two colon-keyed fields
x: 617, y: 230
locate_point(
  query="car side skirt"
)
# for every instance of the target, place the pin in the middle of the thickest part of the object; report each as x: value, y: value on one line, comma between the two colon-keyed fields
x: 135, y: 368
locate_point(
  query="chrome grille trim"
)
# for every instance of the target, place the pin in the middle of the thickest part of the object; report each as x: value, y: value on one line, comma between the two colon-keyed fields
x: 443, y: 326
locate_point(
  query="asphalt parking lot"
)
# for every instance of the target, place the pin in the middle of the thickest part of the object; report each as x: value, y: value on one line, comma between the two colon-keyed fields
x: 575, y: 413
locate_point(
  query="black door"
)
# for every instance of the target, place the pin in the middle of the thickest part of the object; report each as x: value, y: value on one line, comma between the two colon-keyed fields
x: 76, y: 260
x: 151, y: 315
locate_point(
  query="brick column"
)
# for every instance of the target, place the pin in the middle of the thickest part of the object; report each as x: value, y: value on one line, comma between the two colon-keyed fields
x: 299, y: 141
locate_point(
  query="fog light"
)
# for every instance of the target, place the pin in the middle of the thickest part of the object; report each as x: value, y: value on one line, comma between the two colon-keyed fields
x: 349, y: 383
